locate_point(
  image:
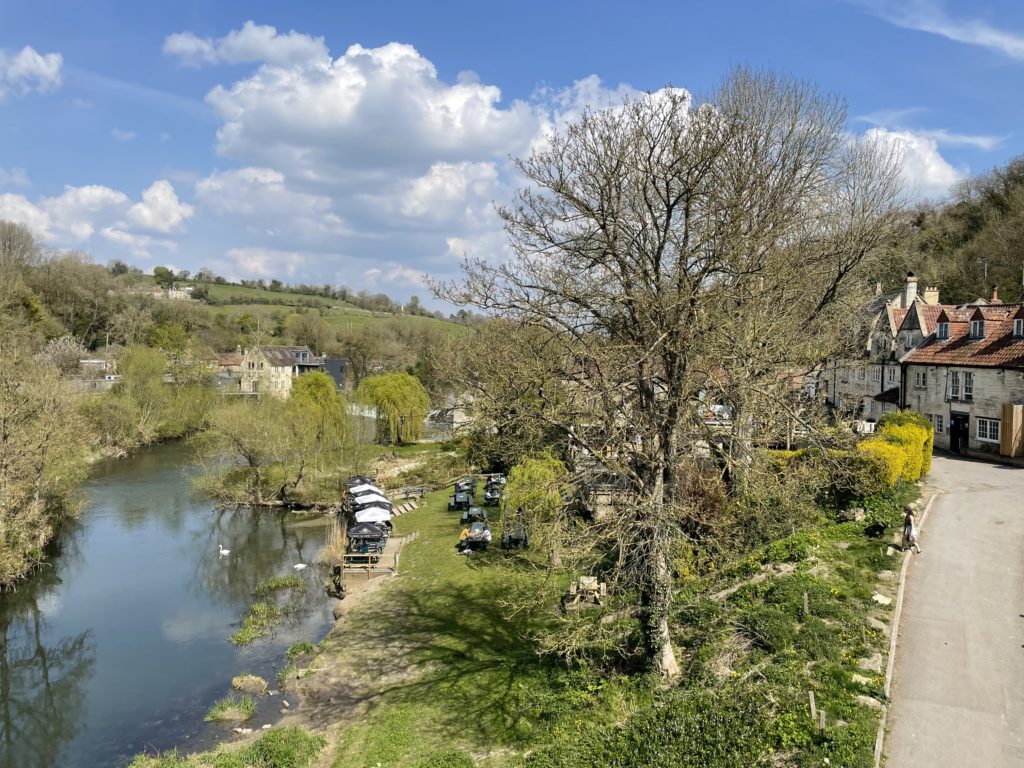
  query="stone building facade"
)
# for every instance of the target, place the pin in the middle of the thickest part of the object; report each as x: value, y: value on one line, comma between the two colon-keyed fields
x: 967, y: 377
x: 272, y: 369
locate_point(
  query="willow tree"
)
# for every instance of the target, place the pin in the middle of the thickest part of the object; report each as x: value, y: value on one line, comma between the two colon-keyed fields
x: 401, y: 404
x: 535, y: 490
x: 650, y: 244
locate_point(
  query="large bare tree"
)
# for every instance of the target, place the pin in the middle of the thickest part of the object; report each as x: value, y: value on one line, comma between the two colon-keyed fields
x: 667, y: 252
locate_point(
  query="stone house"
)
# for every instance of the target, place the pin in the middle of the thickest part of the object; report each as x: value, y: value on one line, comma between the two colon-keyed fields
x: 272, y: 369
x: 870, y: 385
x: 967, y: 377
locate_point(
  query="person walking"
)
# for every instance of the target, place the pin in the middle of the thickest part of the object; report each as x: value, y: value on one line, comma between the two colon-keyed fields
x: 910, y: 531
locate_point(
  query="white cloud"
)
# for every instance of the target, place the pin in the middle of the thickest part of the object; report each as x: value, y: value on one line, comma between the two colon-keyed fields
x: 266, y: 262
x: 261, y: 198
x: 926, y: 172
x: 450, y: 191
x: 160, y: 209
x: 122, y: 135
x: 368, y: 113
x: 929, y: 16
x: 896, y: 119
x: 252, y: 43
x: 15, y: 177
x: 137, y: 245
x: 74, y: 217
x: 28, y: 70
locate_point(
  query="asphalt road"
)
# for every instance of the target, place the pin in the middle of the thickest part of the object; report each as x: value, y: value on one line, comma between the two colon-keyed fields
x: 958, y: 686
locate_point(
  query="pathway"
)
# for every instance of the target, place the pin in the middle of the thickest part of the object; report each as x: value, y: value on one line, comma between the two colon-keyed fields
x: 958, y: 689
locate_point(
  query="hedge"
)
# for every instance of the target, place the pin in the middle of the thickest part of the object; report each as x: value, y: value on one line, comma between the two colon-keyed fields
x: 902, y: 447
x: 890, y: 458
x: 914, y: 419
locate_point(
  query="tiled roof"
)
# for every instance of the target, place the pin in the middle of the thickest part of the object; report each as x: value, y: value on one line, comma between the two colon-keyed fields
x: 928, y: 315
x: 230, y: 358
x: 999, y: 348
x: 279, y: 356
x: 897, y: 318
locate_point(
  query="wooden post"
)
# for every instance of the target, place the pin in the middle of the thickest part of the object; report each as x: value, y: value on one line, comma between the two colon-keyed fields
x: 821, y: 720
x: 807, y: 610
x: 814, y: 710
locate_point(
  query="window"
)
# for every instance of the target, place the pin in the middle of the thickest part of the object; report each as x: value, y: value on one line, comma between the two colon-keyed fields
x: 1018, y: 327
x: 876, y: 374
x: 968, y: 386
x: 920, y: 379
x: 942, y: 332
x: 977, y: 329
x: 892, y: 375
x: 988, y: 430
x: 954, y: 385
x: 936, y: 421
x: 860, y: 375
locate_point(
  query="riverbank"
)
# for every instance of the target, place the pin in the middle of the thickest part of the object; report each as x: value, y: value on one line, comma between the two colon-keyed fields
x: 434, y: 668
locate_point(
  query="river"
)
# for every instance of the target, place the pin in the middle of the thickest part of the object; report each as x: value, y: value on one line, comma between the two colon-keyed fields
x: 119, y: 644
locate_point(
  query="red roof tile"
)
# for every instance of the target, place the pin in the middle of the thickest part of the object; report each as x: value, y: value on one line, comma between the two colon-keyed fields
x: 999, y: 348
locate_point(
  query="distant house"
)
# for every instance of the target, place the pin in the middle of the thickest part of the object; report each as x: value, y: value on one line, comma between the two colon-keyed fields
x: 272, y: 369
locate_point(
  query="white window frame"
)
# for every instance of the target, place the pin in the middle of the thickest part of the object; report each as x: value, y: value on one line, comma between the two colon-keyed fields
x: 954, y: 385
x: 892, y: 375
x: 876, y: 374
x: 861, y: 375
x: 968, y: 385
x: 920, y: 379
x: 938, y: 423
x: 1018, y: 327
x: 977, y: 329
x: 987, y: 430
x: 942, y: 331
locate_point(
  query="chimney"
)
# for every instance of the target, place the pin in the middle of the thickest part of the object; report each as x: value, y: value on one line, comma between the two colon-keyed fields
x: 931, y: 295
x: 995, y: 295
x: 909, y: 291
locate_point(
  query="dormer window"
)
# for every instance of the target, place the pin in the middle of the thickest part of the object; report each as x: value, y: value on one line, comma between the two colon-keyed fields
x: 942, y: 331
x: 977, y: 329
x: 1018, y: 328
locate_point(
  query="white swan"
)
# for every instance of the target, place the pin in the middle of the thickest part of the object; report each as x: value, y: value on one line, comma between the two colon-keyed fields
x: 299, y: 566
x: 223, y: 551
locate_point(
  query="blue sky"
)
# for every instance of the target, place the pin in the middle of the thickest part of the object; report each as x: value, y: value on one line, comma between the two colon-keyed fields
x: 364, y: 143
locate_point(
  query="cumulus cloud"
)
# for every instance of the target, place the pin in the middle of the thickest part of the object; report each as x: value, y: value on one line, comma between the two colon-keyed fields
x: 926, y: 172
x: 252, y: 43
x: 265, y: 262
x: 77, y: 215
x: 898, y: 119
x: 160, y: 209
x: 261, y: 198
x: 450, y: 191
x: 28, y: 71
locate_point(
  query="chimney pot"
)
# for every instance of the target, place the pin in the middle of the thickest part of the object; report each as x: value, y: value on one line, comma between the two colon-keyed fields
x: 995, y: 295
x: 909, y: 291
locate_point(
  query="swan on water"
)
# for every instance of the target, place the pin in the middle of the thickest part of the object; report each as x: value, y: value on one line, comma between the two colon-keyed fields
x: 223, y: 551
x: 299, y: 566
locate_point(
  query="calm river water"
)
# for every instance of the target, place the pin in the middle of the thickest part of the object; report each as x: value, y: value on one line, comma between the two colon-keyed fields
x: 121, y: 644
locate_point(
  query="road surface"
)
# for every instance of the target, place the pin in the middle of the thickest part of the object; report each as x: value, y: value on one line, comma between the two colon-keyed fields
x: 958, y: 686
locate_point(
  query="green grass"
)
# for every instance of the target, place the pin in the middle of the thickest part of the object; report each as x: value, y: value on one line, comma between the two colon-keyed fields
x: 476, y: 684
x: 278, y: 583
x: 290, y: 747
x: 233, y: 708
x: 303, y: 648
x: 261, y: 619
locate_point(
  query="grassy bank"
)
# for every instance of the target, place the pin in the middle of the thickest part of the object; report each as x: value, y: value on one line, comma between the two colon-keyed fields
x: 441, y: 667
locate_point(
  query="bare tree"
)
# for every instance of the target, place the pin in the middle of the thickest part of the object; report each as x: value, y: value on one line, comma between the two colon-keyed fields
x: 663, y: 252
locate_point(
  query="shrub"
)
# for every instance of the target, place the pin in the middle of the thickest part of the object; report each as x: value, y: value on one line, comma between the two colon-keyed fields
x: 915, y: 440
x: 818, y: 640
x: 770, y: 628
x: 913, y: 419
x: 890, y: 458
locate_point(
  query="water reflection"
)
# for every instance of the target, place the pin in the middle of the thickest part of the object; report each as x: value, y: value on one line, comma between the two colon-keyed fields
x: 122, y: 644
x: 41, y: 680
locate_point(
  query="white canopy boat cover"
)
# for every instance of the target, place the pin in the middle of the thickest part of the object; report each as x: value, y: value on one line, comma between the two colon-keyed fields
x: 373, y: 515
x: 359, y: 490
x: 370, y: 498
